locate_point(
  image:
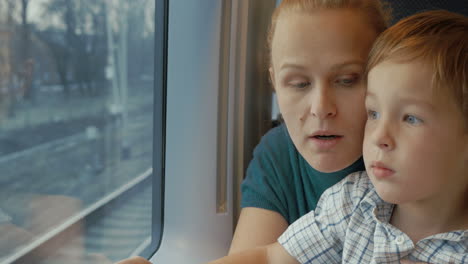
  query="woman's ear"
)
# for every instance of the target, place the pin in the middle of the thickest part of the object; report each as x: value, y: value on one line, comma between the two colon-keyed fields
x: 272, y: 77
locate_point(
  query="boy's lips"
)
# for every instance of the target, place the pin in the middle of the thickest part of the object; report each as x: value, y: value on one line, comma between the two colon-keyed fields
x: 380, y: 170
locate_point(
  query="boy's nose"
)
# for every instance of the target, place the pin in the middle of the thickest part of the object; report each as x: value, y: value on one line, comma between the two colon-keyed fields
x: 382, y: 137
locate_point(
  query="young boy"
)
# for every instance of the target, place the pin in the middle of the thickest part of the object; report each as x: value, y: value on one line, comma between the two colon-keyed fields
x: 412, y: 204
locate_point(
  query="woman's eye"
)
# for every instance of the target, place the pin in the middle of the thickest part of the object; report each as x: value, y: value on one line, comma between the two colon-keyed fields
x: 348, y: 80
x: 411, y: 119
x: 300, y: 85
x: 371, y: 114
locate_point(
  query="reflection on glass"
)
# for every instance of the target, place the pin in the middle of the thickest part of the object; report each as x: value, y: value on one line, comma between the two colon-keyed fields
x: 76, y: 108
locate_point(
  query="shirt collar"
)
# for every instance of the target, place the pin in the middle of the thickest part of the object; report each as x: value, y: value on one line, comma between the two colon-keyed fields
x: 455, y: 236
x: 381, y: 212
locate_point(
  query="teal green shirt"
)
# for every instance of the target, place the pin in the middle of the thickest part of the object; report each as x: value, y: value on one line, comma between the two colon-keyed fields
x: 280, y: 179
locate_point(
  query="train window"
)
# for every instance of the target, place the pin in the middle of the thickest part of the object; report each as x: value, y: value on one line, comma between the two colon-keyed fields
x: 81, y: 121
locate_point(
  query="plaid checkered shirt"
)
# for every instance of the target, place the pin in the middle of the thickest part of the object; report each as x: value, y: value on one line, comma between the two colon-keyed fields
x: 351, y: 225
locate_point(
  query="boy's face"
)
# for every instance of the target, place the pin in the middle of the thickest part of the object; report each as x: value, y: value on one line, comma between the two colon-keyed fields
x: 415, y: 144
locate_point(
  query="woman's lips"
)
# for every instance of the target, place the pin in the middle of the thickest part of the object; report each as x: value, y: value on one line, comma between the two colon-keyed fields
x: 325, y: 142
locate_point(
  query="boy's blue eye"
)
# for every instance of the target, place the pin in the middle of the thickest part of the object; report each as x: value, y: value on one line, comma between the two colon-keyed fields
x: 371, y: 114
x: 411, y: 119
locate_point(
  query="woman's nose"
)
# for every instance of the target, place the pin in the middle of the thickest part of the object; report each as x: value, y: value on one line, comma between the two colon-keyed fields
x: 323, y: 104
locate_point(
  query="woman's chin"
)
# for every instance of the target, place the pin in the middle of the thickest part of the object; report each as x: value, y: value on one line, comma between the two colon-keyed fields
x: 328, y: 163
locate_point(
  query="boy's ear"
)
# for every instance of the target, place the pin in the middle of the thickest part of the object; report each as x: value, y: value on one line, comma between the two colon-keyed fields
x: 272, y: 77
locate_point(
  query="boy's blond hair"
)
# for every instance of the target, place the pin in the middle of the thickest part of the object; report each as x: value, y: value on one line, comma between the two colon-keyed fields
x: 439, y: 38
x: 376, y: 12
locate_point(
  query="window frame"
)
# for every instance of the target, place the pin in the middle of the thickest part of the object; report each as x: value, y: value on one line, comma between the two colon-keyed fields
x: 159, y: 125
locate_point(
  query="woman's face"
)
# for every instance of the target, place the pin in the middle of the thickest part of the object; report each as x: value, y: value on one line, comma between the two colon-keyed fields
x: 317, y: 66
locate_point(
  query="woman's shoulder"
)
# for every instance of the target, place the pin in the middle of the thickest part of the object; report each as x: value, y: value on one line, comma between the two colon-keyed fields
x: 276, y: 150
x: 276, y: 159
x: 276, y: 140
x: 270, y: 172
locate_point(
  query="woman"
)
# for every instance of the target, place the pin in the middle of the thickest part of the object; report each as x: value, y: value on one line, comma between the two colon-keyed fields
x: 318, y: 52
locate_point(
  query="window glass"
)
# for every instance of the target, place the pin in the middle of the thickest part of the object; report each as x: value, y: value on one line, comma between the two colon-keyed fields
x: 76, y: 129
